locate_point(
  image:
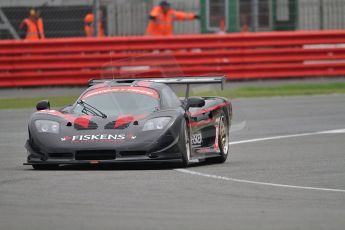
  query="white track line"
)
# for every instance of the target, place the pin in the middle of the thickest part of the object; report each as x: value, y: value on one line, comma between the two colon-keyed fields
x: 334, y: 131
x: 256, y: 182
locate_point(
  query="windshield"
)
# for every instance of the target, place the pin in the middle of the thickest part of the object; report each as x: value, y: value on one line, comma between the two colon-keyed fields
x: 120, y: 100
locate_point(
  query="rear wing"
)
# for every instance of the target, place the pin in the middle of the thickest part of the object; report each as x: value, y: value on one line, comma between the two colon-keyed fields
x: 175, y: 80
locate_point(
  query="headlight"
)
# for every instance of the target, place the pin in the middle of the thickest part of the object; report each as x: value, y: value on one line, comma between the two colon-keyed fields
x: 45, y: 126
x: 156, y: 123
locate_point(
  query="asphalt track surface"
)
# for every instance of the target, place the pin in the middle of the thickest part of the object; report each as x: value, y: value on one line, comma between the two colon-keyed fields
x: 294, y: 180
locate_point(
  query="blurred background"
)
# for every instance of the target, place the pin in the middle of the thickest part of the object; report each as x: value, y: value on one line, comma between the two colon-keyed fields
x: 65, y: 18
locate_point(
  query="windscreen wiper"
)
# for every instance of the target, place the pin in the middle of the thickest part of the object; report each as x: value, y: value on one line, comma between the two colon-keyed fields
x: 89, y: 108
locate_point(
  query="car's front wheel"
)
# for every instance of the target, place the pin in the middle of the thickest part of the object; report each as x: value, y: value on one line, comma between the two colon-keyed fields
x: 223, y: 140
x: 185, y: 144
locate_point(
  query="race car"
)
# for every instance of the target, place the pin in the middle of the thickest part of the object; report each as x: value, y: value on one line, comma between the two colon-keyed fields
x: 131, y: 120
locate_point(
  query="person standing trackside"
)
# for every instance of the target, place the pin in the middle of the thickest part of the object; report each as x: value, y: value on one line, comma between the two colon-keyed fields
x: 162, y: 17
x: 88, y: 25
x: 31, y: 27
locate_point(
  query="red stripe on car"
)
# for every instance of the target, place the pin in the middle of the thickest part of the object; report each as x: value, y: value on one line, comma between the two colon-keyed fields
x: 120, y: 89
x: 144, y: 83
x: 82, y: 121
x: 125, y: 119
x: 203, y: 122
x: 201, y: 111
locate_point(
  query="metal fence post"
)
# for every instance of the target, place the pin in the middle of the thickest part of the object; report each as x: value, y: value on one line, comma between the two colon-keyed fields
x: 254, y: 13
x: 321, y: 15
x: 96, y: 17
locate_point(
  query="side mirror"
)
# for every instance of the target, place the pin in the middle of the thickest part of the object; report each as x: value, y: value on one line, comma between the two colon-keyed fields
x: 43, y: 105
x: 195, y: 102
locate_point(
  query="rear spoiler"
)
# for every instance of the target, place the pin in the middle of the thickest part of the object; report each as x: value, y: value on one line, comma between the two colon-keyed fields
x: 175, y: 80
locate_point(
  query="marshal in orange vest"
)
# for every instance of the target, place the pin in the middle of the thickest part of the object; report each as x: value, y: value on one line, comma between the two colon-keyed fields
x: 88, y: 25
x: 32, y: 26
x: 162, y: 19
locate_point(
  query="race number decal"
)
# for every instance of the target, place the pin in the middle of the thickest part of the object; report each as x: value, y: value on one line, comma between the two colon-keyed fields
x: 196, y: 139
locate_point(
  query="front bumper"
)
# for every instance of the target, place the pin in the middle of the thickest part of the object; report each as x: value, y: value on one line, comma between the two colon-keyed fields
x: 96, y: 162
x: 157, y: 152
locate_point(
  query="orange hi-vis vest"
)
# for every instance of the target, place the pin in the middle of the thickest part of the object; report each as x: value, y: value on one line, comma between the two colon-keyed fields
x: 88, y: 28
x: 164, y: 23
x: 35, y: 30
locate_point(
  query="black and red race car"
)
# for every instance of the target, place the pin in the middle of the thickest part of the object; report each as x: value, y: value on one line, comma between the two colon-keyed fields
x: 131, y: 120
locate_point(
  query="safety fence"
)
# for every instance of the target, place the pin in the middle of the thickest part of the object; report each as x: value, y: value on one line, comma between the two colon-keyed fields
x: 62, y: 19
x: 237, y: 56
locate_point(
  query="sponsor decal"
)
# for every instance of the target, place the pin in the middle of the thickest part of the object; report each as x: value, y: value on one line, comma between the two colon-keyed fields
x: 95, y: 138
x: 205, y: 150
x: 98, y: 138
x: 131, y: 136
x: 196, y: 139
x: 66, y: 138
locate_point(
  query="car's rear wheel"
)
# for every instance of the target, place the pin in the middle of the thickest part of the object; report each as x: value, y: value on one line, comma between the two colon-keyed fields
x: 223, y: 140
x: 185, y: 145
x: 45, y: 166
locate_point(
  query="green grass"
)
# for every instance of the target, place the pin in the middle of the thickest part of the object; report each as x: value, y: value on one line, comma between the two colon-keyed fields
x: 16, y: 103
x: 257, y: 91
x: 281, y: 90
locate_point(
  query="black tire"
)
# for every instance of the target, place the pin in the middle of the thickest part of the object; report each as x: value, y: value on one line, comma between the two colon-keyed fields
x: 45, y: 167
x: 185, y: 145
x: 223, y: 140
